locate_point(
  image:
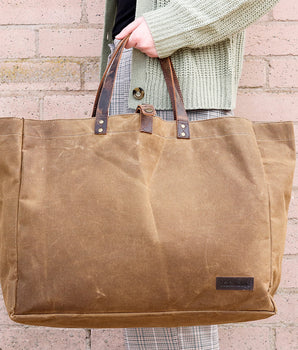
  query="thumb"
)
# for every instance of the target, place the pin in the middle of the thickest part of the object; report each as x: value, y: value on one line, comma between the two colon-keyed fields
x: 129, y: 28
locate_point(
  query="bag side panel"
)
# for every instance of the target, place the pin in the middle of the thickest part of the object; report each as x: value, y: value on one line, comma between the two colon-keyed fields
x: 276, y: 142
x: 10, y: 171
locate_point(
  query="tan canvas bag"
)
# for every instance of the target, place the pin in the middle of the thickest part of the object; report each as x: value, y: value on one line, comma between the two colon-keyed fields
x: 142, y: 222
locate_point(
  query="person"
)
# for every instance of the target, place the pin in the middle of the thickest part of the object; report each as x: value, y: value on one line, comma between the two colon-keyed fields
x: 205, y: 39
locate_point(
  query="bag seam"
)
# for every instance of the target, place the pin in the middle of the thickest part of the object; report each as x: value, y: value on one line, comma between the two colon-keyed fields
x: 127, y: 131
x: 16, y: 134
x: 271, y: 243
x: 143, y: 313
x: 17, y: 221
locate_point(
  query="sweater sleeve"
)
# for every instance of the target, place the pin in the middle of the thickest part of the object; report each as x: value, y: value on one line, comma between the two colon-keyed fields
x: 197, y: 23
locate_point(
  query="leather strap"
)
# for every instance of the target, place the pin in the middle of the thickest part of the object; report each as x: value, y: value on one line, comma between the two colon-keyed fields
x: 119, y: 46
x: 147, y: 112
x: 105, y: 90
x: 176, y: 98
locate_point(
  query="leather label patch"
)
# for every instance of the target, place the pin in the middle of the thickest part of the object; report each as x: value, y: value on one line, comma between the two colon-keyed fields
x: 234, y: 283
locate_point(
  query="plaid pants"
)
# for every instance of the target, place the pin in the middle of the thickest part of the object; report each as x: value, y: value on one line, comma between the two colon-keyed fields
x: 157, y: 338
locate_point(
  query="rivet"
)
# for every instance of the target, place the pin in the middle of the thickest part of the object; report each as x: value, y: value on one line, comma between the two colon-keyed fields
x: 182, y: 126
x: 100, y: 130
x: 101, y: 121
x: 183, y: 134
x: 138, y: 93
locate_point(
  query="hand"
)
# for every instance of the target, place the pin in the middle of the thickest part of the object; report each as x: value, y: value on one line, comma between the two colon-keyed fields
x: 140, y: 37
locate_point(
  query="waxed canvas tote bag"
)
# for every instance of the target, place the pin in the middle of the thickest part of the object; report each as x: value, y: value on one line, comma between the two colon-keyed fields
x: 134, y: 221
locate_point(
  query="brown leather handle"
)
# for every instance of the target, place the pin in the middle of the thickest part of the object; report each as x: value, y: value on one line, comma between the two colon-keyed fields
x: 116, y: 51
x: 105, y: 90
x: 176, y: 98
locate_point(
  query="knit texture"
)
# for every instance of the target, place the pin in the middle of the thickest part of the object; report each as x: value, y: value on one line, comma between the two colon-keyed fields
x: 205, y: 40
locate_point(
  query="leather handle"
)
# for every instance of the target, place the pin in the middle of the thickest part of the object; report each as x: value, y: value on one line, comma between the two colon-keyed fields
x: 180, y: 114
x: 116, y: 51
x: 105, y: 90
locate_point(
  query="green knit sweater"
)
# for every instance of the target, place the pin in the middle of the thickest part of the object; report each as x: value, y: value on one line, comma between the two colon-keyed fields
x: 205, y: 39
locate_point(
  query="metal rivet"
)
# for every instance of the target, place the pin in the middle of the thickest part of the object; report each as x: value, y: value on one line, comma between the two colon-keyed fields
x: 138, y: 93
x: 101, y: 121
x: 182, y: 126
x: 183, y: 134
x: 100, y: 130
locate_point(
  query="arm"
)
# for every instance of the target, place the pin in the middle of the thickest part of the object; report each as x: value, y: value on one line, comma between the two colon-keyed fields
x: 194, y: 23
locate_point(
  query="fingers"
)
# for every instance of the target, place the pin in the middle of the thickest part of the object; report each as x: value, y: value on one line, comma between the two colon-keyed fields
x: 129, y: 28
x: 132, y: 42
x: 140, y: 37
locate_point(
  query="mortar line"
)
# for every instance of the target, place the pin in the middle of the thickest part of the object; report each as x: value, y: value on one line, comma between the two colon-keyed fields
x: 84, y: 15
x: 41, y: 108
x: 273, y: 338
x: 88, y: 339
x: 37, y: 55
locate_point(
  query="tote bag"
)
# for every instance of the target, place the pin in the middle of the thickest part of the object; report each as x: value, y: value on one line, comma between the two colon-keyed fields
x: 134, y: 221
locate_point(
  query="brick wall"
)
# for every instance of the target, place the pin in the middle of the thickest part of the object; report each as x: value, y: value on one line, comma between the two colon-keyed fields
x: 49, y: 58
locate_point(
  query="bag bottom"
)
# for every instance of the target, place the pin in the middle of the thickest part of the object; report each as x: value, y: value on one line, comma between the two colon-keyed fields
x: 128, y: 320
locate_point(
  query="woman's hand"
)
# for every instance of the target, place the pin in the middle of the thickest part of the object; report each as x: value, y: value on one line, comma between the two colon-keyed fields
x: 140, y: 37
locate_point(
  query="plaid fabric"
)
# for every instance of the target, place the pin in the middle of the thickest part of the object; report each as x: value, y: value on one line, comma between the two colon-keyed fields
x: 119, y: 102
x: 174, y: 338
